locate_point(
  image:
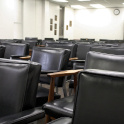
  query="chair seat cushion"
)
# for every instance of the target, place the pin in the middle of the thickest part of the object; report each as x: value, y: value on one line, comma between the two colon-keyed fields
x: 60, y: 108
x: 63, y: 120
x: 42, y: 96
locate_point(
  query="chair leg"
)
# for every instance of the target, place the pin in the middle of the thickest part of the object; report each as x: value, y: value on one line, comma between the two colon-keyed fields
x: 47, y: 119
x: 70, y: 91
x: 64, y: 87
x: 56, y: 89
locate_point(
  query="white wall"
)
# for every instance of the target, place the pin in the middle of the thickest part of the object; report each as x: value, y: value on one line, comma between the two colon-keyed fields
x: 99, y: 24
x: 32, y: 18
x: 50, y: 10
x: 36, y: 18
x: 69, y: 16
x: 10, y: 19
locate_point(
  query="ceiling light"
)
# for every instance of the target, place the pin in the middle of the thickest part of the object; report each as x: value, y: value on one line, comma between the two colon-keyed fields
x: 83, y: 0
x: 60, y: 0
x: 97, y: 5
x: 122, y: 3
x: 77, y: 7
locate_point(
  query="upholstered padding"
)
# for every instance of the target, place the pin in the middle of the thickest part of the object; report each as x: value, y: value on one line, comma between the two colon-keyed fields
x: 82, y: 50
x: 62, y: 120
x: 50, y: 58
x: 2, y: 51
x: 60, y: 108
x: 103, y: 61
x: 109, y: 50
x: 14, y: 49
x: 32, y: 80
x: 99, y: 98
x: 70, y: 46
x: 13, y: 84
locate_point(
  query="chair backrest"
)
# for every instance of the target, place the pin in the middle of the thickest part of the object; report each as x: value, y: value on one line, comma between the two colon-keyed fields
x: 47, y: 41
x: 31, y: 38
x: 18, y: 85
x: 48, y: 38
x: 51, y: 58
x: 104, y: 61
x: 109, y: 50
x: 99, y: 98
x: 15, y: 49
x: 82, y: 50
x: 2, y: 51
x: 70, y: 46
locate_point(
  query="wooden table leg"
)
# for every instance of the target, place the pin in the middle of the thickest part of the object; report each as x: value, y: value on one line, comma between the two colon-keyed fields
x: 75, y: 82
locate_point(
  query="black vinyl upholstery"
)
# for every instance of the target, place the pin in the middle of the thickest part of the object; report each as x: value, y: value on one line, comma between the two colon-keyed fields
x: 52, y: 60
x: 15, y: 49
x: 31, y: 41
x: 72, y: 47
x: 2, y: 51
x: 94, y: 60
x: 99, y: 98
x: 18, y: 88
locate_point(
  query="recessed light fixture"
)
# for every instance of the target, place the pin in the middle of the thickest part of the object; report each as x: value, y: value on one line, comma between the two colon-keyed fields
x: 122, y: 3
x: 60, y: 0
x: 84, y: 0
x: 97, y: 5
x: 77, y: 7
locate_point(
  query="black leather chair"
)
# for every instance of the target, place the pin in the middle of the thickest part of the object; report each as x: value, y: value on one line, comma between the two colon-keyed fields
x: 2, y: 51
x: 99, y: 99
x: 47, y: 41
x: 52, y: 60
x: 15, y: 50
x: 64, y: 107
x: 72, y: 47
x: 48, y: 38
x: 18, y: 88
x: 31, y: 41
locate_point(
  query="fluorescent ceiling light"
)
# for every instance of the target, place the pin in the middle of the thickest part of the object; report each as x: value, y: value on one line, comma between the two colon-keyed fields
x: 60, y: 0
x: 83, y: 0
x: 97, y: 5
x: 77, y: 7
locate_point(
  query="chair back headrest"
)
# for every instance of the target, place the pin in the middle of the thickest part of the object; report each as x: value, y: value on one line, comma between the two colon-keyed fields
x: 50, y: 58
x: 2, y: 51
x: 99, y: 98
x: 109, y: 50
x: 70, y: 46
x: 103, y: 61
x: 15, y: 74
x: 15, y: 49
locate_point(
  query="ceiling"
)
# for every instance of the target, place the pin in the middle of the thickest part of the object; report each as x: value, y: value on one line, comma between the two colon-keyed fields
x: 106, y: 3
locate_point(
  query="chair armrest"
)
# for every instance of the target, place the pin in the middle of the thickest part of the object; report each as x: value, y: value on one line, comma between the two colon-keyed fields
x: 20, y: 57
x: 64, y: 73
x: 41, y: 45
x: 25, y: 57
x: 73, y: 58
x: 24, y: 117
x: 48, y: 71
x: 62, y: 120
x: 78, y: 61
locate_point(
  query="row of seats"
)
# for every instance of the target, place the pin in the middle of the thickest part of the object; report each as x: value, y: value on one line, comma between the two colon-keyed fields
x: 98, y: 99
x: 56, y: 59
